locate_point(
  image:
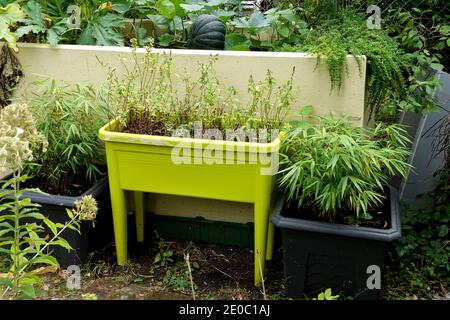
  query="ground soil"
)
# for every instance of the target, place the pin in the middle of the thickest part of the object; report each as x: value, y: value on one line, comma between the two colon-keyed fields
x: 220, y: 272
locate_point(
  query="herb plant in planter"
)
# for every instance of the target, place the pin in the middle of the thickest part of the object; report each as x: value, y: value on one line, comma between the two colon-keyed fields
x: 197, y: 143
x: 338, y: 209
x: 73, y: 165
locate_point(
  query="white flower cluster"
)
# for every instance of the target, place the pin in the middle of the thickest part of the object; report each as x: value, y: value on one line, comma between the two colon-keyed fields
x: 19, y: 137
x: 86, y: 208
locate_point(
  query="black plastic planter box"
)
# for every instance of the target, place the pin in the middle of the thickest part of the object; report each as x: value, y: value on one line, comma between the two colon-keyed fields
x: 321, y: 255
x: 54, y: 207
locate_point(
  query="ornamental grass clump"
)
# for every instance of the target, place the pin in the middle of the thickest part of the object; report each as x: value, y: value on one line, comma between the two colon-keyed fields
x: 336, y: 168
x: 69, y: 118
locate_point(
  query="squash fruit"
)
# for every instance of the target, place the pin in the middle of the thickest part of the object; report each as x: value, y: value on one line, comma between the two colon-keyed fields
x: 207, y: 33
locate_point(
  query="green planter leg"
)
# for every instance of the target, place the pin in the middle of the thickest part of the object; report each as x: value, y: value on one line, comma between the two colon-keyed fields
x: 261, y: 216
x: 139, y: 212
x: 119, y: 210
x: 120, y: 224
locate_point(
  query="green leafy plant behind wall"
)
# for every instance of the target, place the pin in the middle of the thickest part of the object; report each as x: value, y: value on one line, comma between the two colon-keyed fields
x: 93, y: 22
x: 395, y: 79
x: 10, y: 14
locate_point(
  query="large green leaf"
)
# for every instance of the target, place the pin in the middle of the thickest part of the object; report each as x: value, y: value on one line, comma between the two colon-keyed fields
x: 9, y: 15
x: 121, y: 6
x: 34, y: 21
x: 166, y: 8
x: 49, y: 260
x: 55, y: 33
x: 165, y: 40
x: 195, y: 7
x: 283, y: 30
x: 224, y: 15
x: 179, y: 10
x: 256, y: 21
x: 101, y: 31
x: 158, y: 21
x: 6, y: 282
x: 28, y: 291
x: 306, y: 110
x: 237, y: 42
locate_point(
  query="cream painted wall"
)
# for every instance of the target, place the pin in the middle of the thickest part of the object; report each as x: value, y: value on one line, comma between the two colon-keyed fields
x: 74, y: 64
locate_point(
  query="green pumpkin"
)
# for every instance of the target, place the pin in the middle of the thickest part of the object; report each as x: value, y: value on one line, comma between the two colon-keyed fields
x: 207, y: 33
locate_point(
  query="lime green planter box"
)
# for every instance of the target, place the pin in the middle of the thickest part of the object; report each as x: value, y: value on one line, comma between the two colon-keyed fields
x: 214, y: 169
x: 204, y: 230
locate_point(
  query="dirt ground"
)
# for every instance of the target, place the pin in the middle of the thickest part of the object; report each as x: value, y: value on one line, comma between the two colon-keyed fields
x: 157, y: 270
x: 218, y: 272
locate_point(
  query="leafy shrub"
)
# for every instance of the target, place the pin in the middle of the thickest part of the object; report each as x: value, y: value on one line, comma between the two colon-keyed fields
x: 53, y: 22
x: 419, y: 263
x: 422, y: 31
x: 421, y: 28
x: 70, y: 119
x: 335, y: 166
x: 332, y: 40
x: 425, y: 240
x: 97, y: 22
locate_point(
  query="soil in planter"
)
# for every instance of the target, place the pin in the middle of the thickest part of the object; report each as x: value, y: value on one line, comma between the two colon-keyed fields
x: 148, y: 127
x: 76, y: 187
x: 308, y: 211
x: 147, y: 124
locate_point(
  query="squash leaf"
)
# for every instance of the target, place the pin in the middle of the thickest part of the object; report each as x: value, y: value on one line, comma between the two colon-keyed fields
x: 166, y: 8
x: 9, y: 15
x: 101, y: 31
x: 237, y: 42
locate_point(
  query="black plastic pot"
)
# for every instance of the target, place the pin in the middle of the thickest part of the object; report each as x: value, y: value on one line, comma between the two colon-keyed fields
x: 91, y: 238
x: 321, y: 255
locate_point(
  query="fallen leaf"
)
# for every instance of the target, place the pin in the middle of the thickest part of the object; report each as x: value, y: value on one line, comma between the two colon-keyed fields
x: 44, y: 270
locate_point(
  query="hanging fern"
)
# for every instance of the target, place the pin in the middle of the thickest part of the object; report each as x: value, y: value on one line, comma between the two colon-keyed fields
x: 334, y: 39
x: 329, y: 47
